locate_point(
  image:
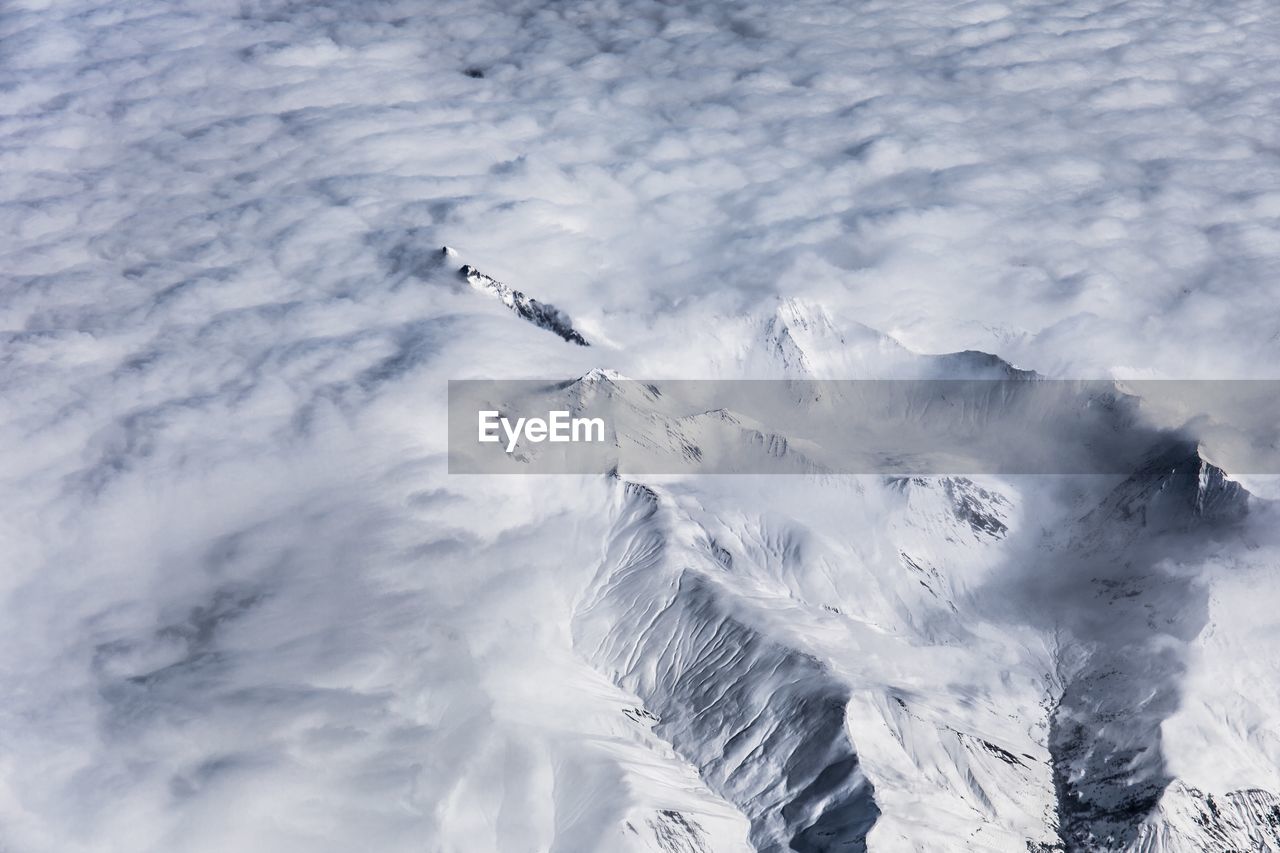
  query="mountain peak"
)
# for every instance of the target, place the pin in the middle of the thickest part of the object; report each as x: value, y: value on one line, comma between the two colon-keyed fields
x: 802, y: 338
x: 976, y: 364
x: 1175, y: 490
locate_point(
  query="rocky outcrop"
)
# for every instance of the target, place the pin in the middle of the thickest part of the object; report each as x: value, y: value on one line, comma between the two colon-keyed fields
x: 542, y: 314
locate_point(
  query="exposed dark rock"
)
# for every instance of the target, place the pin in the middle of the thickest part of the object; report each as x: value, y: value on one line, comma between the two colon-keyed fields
x: 540, y: 314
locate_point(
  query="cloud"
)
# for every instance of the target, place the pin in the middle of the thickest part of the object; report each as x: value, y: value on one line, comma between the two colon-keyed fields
x: 222, y: 371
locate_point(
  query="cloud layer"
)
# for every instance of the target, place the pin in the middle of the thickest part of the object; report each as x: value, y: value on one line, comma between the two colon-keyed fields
x: 233, y: 573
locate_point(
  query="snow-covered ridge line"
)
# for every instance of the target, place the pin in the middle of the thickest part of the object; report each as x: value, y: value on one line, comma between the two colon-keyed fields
x: 1123, y: 679
x: 764, y: 724
x: 542, y: 314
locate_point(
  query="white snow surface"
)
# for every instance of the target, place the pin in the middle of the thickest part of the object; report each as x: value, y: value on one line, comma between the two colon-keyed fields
x: 243, y: 607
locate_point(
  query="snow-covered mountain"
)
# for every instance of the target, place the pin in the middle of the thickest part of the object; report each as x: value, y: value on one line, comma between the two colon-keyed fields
x: 843, y: 677
x: 921, y: 663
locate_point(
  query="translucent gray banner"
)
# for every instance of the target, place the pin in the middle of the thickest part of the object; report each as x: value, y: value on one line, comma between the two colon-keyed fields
x: 602, y: 423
